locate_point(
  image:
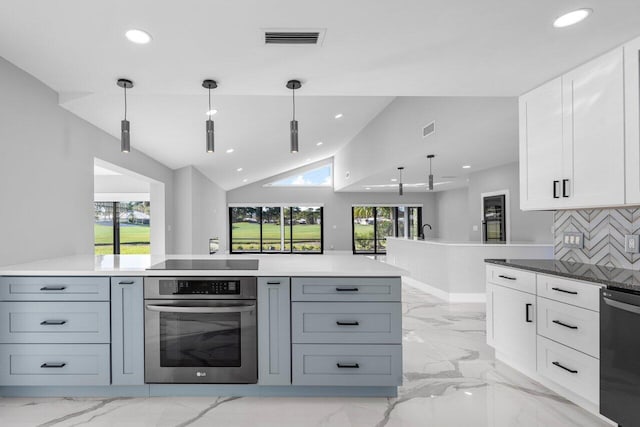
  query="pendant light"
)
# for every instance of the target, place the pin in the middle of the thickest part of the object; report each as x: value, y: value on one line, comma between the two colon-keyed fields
x: 400, y: 189
x: 209, y: 84
x: 293, y: 85
x: 125, y: 142
x: 430, y: 157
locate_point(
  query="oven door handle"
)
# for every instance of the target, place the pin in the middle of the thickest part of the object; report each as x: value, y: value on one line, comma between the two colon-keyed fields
x: 201, y: 309
x: 622, y: 305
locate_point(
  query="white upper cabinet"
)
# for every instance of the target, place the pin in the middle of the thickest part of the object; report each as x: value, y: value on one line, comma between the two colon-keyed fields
x: 572, y: 138
x: 594, y: 129
x: 541, y: 146
x: 632, y: 120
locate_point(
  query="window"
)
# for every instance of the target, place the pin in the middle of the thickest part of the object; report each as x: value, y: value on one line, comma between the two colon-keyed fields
x: 318, y: 177
x: 276, y: 229
x: 121, y: 228
x: 373, y: 224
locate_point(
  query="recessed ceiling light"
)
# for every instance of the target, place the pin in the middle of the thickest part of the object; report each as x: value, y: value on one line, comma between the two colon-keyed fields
x: 211, y: 112
x: 368, y: 188
x: 244, y: 180
x: 571, y: 18
x: 239, y: 169
x: 468, y: 393
x: 394, y: 179
x: 466, y: 167
x: 138, y: 36
x: 230, y: 150
x: 319, y: 144
x: 338, y: 116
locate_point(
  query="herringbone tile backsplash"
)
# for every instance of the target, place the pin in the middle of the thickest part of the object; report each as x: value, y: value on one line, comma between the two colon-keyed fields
x: 603, y: 230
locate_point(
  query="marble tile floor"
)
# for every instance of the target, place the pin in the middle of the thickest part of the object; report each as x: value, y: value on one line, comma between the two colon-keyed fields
x: 451, y: 379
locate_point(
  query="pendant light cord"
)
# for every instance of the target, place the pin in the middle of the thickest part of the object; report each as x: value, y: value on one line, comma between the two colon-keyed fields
x: 294, y: 103
x: 125, y: 101
x: 209, y: 112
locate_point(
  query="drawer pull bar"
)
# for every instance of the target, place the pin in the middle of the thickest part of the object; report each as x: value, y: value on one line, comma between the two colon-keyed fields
x: 506, y: 277
x: 339, y: 323
x: 527, y: 316
x: 557, y: 322
x: 347, y: 289
x: 127, y: 282
x: 53, y: 322
x: 53, y: 365
x: 348, y: 365
x: 559, y: 365
x: 53, y: 288
x: 273, y: 283
x: 565, y: 291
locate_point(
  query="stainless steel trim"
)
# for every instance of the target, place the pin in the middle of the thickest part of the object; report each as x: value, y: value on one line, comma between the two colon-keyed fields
x: 622, y: 305
x: 198, y: 309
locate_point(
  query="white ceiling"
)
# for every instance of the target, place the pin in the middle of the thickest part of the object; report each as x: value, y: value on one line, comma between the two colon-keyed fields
x: 373, y: 50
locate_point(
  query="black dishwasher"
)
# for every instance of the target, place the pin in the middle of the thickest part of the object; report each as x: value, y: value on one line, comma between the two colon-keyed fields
x: 620, y: 357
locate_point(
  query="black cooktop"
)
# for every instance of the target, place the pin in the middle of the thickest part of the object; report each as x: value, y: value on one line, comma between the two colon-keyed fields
x: 206, y: 264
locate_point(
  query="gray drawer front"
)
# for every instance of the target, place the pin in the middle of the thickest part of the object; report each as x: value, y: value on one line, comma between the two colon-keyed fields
x: 54, y: 288
x: 54, y: 322
x: 346, y: 322
x: 346, y: 289
x: 363, y: 365
x: 54, y: 364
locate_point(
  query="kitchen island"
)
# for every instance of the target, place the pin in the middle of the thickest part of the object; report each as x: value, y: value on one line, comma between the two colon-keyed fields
x: 326, y: 325
x: 454, y: 270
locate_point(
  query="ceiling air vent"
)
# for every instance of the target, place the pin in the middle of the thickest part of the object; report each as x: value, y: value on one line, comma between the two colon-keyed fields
x: 293, y: 37
x: 428, y: 129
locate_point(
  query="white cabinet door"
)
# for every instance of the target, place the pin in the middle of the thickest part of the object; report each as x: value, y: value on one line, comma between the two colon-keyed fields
x: 274, y: 331
x: 541, y: 156
x: 632, y: 120
x: 594, y: 129
x: 127, y: 331
x: 513, y: 331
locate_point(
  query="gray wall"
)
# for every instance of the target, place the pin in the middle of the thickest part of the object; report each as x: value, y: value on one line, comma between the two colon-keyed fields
x: 200, y: 212
x: 337, y: 206
x: 533, y: 226
x: 46, y: 171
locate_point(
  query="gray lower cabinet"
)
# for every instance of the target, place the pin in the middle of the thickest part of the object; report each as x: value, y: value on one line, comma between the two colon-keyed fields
x: 54, y: 364
x: 127, y: 331
x: 34, y: 288
x: 347, y: 365
x: 274, y: 323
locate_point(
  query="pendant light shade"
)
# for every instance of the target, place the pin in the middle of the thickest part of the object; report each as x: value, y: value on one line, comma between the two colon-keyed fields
x: 293, y: 127
x: 400, y: 185
x: 430, y: 157
x: 125, y: 126
x: 210, y: 84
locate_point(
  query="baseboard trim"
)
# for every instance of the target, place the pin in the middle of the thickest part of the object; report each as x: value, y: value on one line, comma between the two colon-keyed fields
x: 444, y: 295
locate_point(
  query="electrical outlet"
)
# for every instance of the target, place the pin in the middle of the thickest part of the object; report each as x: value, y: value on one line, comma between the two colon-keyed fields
x: 572, y: 239
x: 631, y: 243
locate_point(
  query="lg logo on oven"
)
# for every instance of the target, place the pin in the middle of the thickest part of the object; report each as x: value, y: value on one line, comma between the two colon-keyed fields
x: 201, y: 374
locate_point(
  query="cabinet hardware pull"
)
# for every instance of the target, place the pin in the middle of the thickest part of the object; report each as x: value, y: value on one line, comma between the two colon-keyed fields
x: 339, y: 323
x: 564, y: 291
x: 53, y: 365
x: 565, y: 192
x: 53, y: 288
x: 506, y: 277
x: 348, y: 365
x: 347, y: 289
x: 126, y: 282
x: 526, y: 313
x: 273, y: 283
x: 555, y: 189
x: 557, y: 322
x: 53, y: 322
x: 559, y: 365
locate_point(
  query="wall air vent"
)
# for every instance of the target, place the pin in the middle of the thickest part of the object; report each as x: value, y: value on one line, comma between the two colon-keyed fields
x: 293, y: 37
x: 428, y: 129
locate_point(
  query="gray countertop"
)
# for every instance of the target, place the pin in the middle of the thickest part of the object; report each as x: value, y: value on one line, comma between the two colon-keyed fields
x: 614, y: 278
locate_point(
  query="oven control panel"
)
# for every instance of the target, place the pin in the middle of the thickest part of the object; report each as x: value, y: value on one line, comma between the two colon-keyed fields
x: 199, y: 287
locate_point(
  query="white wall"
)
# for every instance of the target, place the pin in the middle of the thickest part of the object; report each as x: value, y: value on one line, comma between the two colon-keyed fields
x: 46, y: 172
x: 452, y: 215
x: 337, y: 206
x: 199, y: 212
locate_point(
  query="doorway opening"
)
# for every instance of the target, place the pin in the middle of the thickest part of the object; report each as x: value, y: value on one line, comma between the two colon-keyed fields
x: 495, y: 217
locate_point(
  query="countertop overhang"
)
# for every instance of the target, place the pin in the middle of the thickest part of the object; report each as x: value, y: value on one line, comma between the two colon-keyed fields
x: 325, y: 265
x: 445, y: 242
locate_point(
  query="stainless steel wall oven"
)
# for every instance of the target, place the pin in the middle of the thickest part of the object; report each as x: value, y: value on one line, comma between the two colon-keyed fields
x: 200, y: 330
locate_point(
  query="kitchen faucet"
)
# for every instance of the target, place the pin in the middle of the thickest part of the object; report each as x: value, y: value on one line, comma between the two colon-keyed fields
x: 423, y: 226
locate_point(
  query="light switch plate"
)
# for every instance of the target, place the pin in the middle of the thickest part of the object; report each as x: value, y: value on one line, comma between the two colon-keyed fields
x: 631, y: 243
x: 573, y: 239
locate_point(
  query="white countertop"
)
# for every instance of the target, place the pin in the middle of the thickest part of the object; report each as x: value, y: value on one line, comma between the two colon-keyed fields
x: 341, y: 264
x: 437, y: 241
